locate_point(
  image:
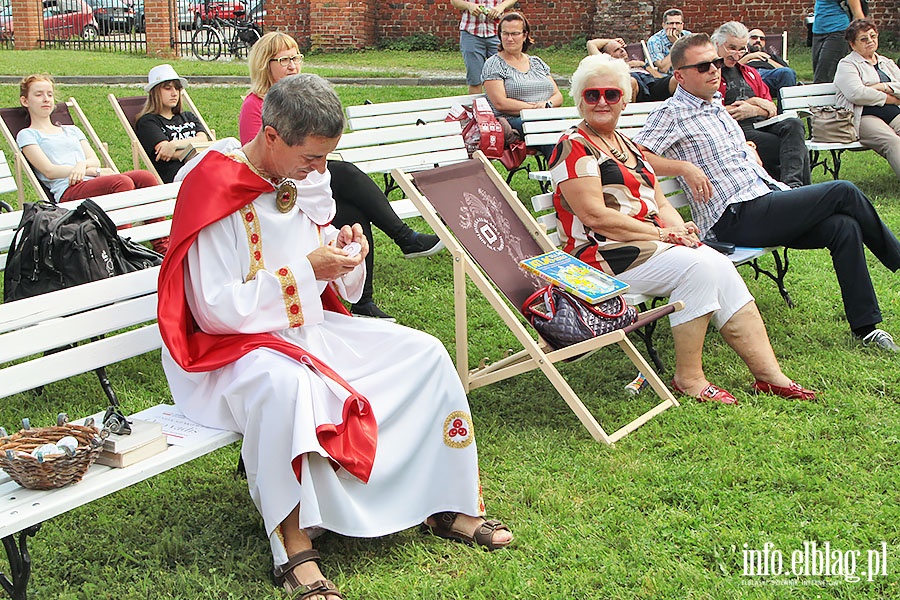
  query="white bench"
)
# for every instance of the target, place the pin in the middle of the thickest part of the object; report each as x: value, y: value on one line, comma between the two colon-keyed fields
x: 7, y: 182
x: 543, y: 206
x: 405, y: 112
x: 121, y: 308
x: 122, y: 207
x: 544, y: 126
x: 798, y: 99
x: 407, y: 147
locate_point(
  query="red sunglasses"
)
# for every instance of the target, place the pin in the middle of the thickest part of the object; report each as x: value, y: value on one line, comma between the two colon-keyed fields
x: 612, y: 95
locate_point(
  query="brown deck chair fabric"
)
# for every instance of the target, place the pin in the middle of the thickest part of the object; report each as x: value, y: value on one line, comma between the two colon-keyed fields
x: 486, y: 228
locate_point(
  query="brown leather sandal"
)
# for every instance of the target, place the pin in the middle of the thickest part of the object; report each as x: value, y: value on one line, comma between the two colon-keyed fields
x: 284, y: 576
x: 484, y: 534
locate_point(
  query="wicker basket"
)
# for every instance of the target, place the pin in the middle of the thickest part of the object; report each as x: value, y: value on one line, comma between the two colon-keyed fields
x: 56, y: 470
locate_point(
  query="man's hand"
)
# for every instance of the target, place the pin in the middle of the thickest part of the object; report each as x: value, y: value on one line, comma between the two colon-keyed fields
x: 741, y: 110
x: 672, y: 32
x: 697, y: 182
x: 331, y: 262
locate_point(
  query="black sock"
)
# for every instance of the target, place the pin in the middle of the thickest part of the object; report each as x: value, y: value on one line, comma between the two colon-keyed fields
x: 862, y: 332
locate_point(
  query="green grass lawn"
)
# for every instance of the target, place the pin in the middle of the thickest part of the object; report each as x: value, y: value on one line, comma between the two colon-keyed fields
x: 665, y: 514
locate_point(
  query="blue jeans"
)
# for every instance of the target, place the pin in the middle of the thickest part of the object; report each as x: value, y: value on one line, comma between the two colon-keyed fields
x: 475, y: 50
x: 777, y: 79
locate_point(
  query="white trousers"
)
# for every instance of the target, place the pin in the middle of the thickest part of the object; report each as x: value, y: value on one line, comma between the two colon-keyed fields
x: 704, y: 279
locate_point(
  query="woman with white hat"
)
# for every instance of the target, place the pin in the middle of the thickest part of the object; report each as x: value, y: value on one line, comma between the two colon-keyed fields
x: 163, y: 127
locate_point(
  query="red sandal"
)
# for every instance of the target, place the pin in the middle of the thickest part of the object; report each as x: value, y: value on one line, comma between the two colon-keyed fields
x: 795, y: 391
x: 710, y: 393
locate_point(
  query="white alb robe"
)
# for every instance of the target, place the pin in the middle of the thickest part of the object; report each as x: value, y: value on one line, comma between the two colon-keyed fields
x: 426, y: 458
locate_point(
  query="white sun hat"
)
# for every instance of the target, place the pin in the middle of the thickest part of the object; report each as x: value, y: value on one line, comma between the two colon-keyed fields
x: 160, y: 74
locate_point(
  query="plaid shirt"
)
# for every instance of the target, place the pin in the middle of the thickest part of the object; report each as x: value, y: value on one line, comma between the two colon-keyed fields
x: 481, y: 25
x: 703, y: 133
x: 659, y: 45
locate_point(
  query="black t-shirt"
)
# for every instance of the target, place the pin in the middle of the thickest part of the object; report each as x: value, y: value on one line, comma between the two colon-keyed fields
x: 737, y: 88
x: 152, y: 129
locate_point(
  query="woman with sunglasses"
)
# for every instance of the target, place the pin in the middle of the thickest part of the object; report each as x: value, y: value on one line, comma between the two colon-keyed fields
x: 276, y: 56
x: 513, y: 80
x: 614, y: 216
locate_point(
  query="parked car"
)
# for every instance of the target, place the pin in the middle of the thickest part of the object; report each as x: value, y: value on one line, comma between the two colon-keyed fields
x: 185, y: 15
x: 63, y: 19
x: 112, y: 15
x: 228, y: 10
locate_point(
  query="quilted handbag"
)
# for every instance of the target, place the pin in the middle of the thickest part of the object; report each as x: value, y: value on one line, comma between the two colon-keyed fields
x: 832, y: 125
x: 563, y: 320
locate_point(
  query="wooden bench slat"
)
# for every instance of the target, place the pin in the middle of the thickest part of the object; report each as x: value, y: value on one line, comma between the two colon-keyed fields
x: 74, y: 361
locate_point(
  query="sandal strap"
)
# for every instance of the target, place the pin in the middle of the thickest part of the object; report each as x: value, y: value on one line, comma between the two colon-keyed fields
x: 320, y: 587
x: 282, y: 571
x: 484, y: 534
x: 445, y: 520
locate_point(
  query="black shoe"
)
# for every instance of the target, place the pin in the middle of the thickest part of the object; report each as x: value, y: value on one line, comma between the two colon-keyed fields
x: 421, y: 244
x: 370, y: 310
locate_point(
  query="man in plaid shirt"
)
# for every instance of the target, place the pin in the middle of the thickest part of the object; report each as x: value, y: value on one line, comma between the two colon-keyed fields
x: 733, y: 199
x: 478, y: 35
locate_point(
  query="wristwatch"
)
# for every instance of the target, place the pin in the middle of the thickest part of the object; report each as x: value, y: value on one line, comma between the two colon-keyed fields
x: 549, y: 104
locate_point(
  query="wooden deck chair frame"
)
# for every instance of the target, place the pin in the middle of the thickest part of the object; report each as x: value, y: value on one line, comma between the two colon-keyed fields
x: 61, y: 114
x: 138, y: 154
x: 536, y: 354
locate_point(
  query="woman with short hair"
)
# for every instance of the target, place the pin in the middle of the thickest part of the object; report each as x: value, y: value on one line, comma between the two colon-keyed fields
x: 869, y: 84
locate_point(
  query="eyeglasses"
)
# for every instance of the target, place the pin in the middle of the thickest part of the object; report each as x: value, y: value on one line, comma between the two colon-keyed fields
x: 612, y: 95
x: 511, y: 33
x: 284, y: 61
x: 761, y: 38
x: 675, y: 23
x: 703, y: 67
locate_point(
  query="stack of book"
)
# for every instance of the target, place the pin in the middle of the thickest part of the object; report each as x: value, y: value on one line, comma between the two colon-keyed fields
x: 145, y: 440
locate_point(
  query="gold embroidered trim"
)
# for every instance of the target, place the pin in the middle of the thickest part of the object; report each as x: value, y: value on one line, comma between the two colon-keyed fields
x: 254, y: 241
x: 291, y: 297
x: 458, y: 430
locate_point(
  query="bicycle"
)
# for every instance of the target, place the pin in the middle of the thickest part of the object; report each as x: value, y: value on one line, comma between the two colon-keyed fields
x: 209, y: 41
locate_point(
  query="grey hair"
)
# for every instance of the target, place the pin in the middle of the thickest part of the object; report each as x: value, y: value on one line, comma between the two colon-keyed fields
x: 730, y: 29
x: 302, y: 105
x: 598, y: 65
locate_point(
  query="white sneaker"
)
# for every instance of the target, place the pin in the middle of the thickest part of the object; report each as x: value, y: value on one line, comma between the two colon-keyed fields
x: 881, y: 339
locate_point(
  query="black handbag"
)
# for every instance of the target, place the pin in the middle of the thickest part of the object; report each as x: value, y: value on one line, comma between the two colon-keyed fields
x: 563, y: 320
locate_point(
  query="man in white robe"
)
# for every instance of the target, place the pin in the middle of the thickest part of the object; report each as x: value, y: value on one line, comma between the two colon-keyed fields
x: 357, y: 426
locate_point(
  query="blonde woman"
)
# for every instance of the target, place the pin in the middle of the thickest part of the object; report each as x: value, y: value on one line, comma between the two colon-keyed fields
x: 276, y: 56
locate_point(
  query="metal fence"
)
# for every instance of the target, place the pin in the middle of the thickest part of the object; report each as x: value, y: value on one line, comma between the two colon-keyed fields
x: 119, y: 25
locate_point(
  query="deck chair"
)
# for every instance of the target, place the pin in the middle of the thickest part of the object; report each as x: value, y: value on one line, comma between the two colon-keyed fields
x: 14, y: 120
x: 488, y: 231
x: 127, y: 110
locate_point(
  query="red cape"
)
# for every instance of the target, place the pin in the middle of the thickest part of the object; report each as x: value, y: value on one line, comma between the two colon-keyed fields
x: 214, y: 189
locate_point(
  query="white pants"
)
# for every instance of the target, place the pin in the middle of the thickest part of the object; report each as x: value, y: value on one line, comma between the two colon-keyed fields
x: 704, y: 279
x: 882, y: 138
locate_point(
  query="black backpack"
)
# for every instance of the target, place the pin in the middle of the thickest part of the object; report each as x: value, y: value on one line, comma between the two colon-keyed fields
x: 55, y: 248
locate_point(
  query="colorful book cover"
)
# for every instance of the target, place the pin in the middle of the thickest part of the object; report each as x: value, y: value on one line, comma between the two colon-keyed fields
x: 575, y: 276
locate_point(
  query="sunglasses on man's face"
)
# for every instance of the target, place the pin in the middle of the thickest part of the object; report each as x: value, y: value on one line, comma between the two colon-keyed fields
x: 610, y: 94
x: 703, y: 67
x: 761, y: 38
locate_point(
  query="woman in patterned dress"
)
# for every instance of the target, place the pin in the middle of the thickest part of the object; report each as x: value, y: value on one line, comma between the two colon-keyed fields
x: 613, y: 215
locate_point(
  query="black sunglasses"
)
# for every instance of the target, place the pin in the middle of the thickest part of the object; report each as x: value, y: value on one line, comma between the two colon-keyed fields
x: 703, y: 67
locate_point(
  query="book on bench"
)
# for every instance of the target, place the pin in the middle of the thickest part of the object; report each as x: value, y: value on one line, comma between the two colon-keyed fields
x: 575, y: 276
x: 125, y: 459
x: 145, y: 440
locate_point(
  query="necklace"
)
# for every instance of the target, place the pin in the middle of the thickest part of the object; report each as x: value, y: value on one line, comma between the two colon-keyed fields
x: 285, y: 189
x: 618, y: 154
